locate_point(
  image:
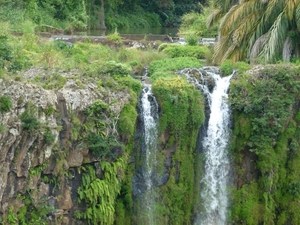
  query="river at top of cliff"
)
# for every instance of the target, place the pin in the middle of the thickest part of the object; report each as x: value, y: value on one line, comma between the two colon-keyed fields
x: 171, y: 31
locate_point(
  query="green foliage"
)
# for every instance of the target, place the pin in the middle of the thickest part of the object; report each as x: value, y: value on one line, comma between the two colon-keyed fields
x: 127, y: 120
x: 29, y: 120
x: 198, y: 52
x: 115, y: 37
x: 31, y: 213
x: 114, y: 68
x: 181, y: 104
x: 136, y: 16
x: 266, y: 123
x: 227, y: 67
x: 5, y: 51
x: 247, y: 207
x: 97, y: 108
x: 172, y: 65
x: 48, y: 136
x: 50, y: 110
x: 182, y: 113
x: 2, y: 128
x: 102, y: 146
x: 99, y: 193
x: 5, y: 103
x: 11, y: 217
x: 261, y: 36
x: 54, y: 81
x: 196, y: 23
x: 192, y: 39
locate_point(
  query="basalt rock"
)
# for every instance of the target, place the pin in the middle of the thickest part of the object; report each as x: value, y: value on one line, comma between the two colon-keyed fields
x: 47, y: 171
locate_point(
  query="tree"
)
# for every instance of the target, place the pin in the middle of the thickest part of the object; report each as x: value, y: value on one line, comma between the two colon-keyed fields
x: 256, y: 28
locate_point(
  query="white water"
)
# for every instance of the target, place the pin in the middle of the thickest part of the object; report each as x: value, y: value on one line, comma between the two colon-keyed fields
x: 150, y: 137
x: 215, y: 144
x: 213, y: 186
x: 215, y: 180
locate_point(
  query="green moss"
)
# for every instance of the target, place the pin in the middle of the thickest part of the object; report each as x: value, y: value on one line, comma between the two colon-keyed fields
x: 127, y: 120
x: 182, y: 113
x: 266, y: 124
x: 172, y: 65
x: 181, y: 104
x: 247, y: 207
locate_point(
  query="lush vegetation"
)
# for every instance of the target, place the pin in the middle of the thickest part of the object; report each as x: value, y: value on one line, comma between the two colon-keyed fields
x: 266, y: 134
x: 182, y: 113
x: 195, y: 23
x: 69, y: 16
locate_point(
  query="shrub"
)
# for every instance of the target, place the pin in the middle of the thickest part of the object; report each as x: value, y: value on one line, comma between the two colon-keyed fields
x: 29, y: 121
x: 227, y: 67
x: 5, y: 51
x: 241, y: 66
x: 5, y: 103
x: 172, y: 65
x: 115, y: 37
x: 198, y: 52
x: 126, y: 123
x: 114, y: 68
x: 192, y: 39
x: 48, y: 136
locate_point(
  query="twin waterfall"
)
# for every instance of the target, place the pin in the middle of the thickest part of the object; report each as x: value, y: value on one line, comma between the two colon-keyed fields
x: 213, y: 146
x: 145, y: 180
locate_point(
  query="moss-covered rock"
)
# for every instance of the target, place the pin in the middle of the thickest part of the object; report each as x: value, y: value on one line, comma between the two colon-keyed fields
x: 265, y: 145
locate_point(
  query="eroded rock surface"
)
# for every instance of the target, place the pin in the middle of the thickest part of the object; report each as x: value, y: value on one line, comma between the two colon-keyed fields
x: 46, y: 168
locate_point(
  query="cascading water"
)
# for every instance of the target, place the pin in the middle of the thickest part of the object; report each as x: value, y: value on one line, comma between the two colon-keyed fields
x: 213, y: 185
x: 146, y: 176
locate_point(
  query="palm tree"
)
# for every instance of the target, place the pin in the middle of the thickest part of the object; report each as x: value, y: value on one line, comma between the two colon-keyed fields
x: 257, y: 28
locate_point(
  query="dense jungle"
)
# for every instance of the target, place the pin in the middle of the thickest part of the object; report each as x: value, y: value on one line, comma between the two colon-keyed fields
x: 112, y: 131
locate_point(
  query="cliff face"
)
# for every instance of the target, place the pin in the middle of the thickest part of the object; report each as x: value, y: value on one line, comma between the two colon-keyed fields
x: 265, y: 145
x: 41, y: 144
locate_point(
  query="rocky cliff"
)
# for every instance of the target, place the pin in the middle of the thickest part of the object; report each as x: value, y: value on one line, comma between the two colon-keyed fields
x: 42, y: 144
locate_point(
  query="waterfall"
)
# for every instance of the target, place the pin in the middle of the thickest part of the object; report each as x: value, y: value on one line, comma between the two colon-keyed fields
x: 146, y: 177
x: 213, y: 145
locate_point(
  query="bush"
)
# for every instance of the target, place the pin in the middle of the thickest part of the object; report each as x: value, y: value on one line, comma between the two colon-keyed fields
x: 198, y: 52
x: 127, y: 120
x: 192, y: 39
x: 173, y: 65
x: 114, y: 68
x: 29, y: 122
x: 115, y: 37
x: 5, y: 103
x: 49, y: 137
x: 241, y: 66
x: 227, y: 67
x: 5, y: 51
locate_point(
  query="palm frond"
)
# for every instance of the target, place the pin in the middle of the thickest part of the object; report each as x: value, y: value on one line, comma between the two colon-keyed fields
x: 297, y: 17
x: 236, y: 14
x: 275, y: 38
x: 214, y: 17
x: 220, y: 48
x: 290, y: 7
x: 258, y: 46
x: 273, y: 9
